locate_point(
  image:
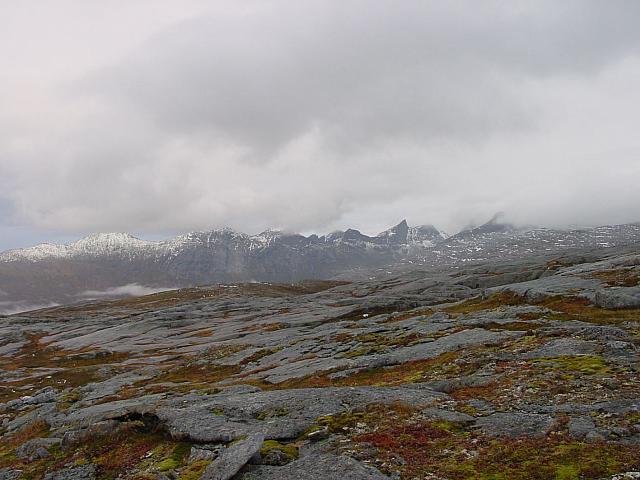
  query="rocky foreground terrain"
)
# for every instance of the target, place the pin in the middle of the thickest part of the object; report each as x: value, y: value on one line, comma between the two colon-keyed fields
x: 516, y: 369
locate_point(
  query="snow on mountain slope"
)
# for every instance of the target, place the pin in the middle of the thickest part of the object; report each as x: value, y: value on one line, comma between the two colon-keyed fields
x: 420, y: 241
x: 101, y: 244
x: 95, y: 244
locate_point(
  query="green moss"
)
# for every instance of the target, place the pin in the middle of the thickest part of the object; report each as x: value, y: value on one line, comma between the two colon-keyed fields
x: 194, y: 471
x: 342, y: 422
x: 217, y: 411
x: 289, y: 450
x: 177, y: 457
x: 447, y: 426
x: 567, y: 472
x: 468, y: 409
x: 167, y: 464
x: 311, y: 429
x: 586, y: 364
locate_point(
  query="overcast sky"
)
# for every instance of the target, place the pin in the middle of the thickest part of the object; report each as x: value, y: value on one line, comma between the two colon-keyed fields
x: 158, y: 117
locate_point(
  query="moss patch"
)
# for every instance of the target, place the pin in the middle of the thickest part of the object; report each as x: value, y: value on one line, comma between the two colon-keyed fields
x: 290, y: 451
x: 447, y: 450
x: 586, y: 364
x: 194, y: 471
x: 497, y: 300
x: 177, y: 457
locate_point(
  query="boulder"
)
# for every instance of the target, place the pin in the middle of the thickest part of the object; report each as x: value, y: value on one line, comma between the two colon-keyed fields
x: 620, y: 297
x: 317, y: 467
x: 514, y: 424
x: 580, y: 427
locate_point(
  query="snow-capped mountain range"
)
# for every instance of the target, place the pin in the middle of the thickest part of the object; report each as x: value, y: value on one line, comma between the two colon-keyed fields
x: 108, y: 262
x: 106, y: 244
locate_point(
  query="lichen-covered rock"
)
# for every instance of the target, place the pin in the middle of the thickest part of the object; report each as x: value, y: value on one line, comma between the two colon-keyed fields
x: 619, y: 297
x: 513, y: 424
x: 36, y: 448
x: 204, y: 452
x: 80, y: 472
x: 77, y: 436
x: 563, y: 346
x: 10, y: 474
x: 45, y: 395
x: 243, y: 413
x: 580, y: 427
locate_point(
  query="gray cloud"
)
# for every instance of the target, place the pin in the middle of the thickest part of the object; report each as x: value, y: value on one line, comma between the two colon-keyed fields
x: 358, y: 72
x: 318, y: 115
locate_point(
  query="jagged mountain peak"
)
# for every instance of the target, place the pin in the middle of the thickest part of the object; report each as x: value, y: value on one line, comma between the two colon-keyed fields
x: 396, y: 234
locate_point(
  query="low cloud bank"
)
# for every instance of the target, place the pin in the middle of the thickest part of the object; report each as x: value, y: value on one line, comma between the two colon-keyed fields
x: 129, y: 290
x: 10, y: 308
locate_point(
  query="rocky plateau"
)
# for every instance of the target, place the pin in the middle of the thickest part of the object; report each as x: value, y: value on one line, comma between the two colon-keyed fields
x: 502, y: 367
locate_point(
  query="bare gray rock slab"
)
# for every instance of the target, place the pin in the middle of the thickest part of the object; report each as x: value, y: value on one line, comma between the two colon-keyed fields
x: 620, y: 297
x: 514, y: 424
x: 563, y: 346
x: 279, y: 414
x: 233, y: 458
x: 317, y: 467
